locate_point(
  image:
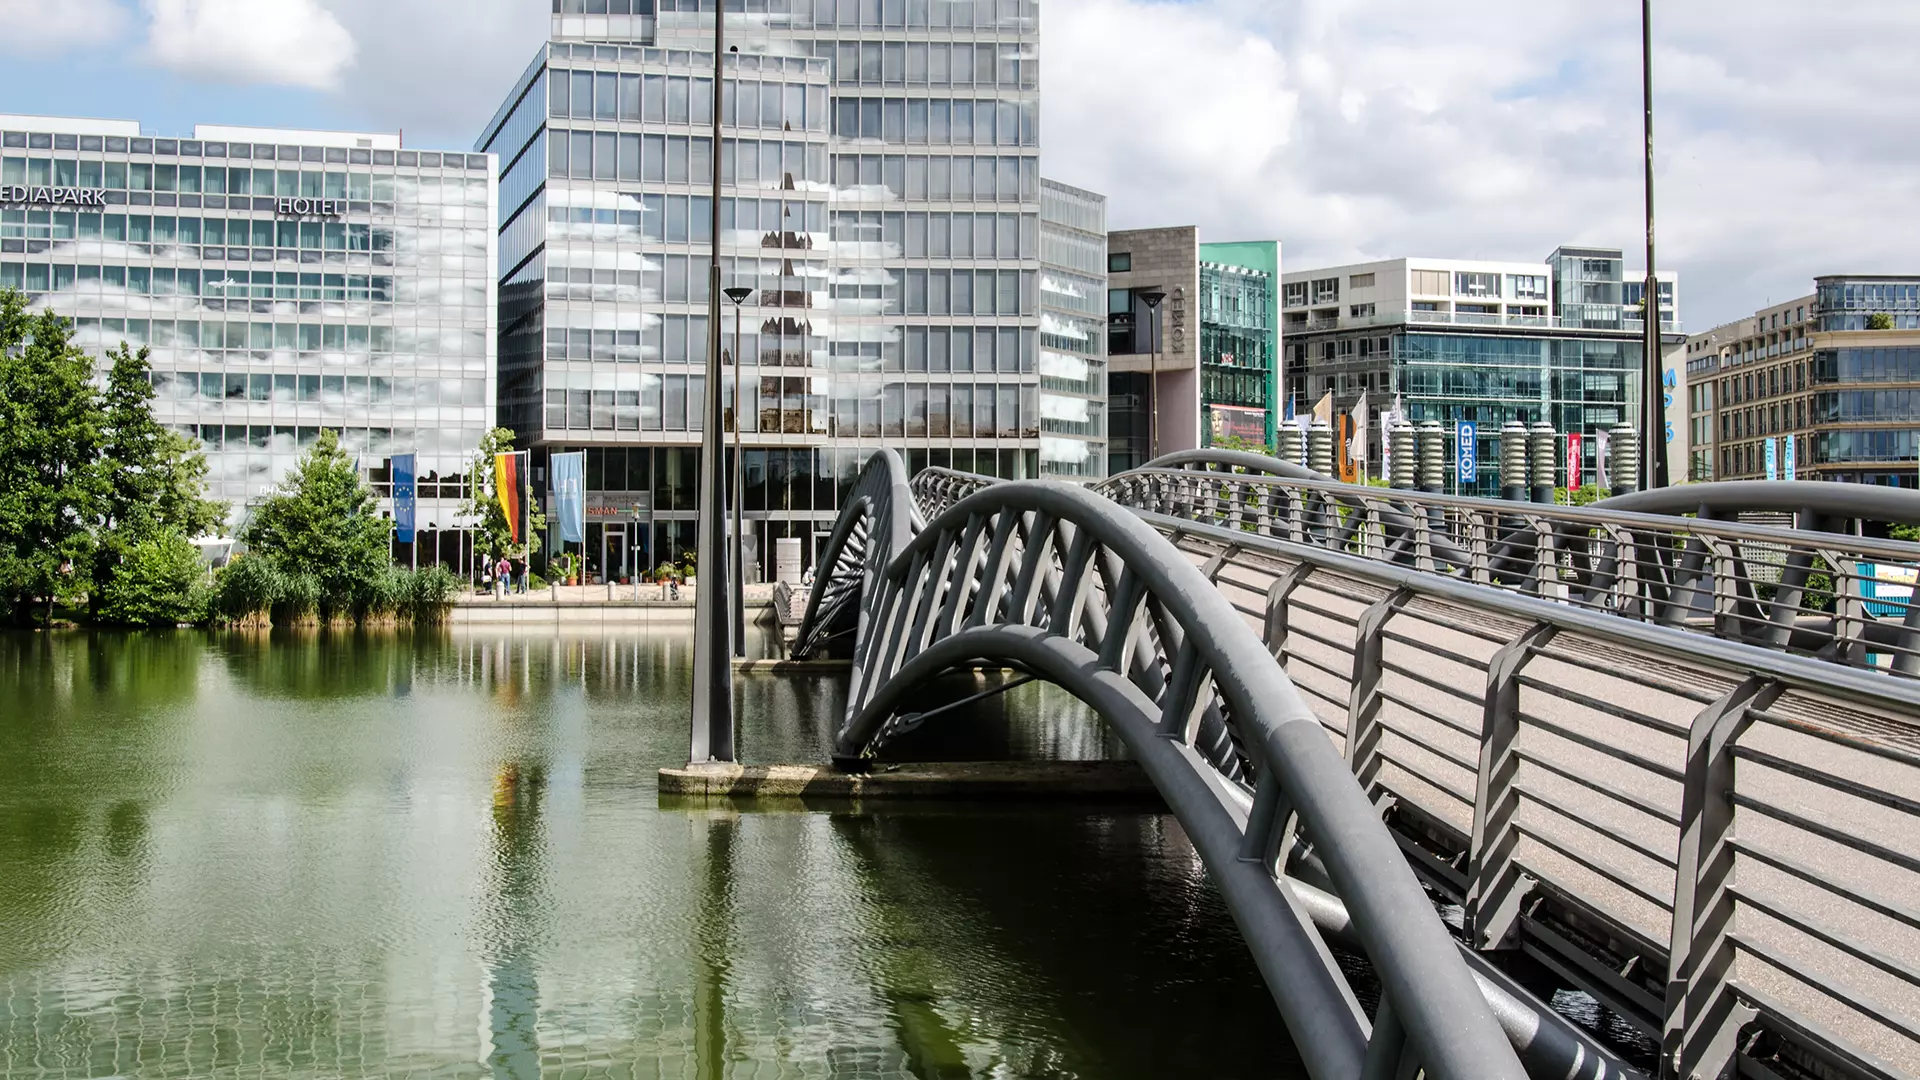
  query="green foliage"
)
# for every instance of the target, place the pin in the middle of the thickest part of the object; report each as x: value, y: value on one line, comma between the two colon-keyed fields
x: 50, y: 472
x: 1584, y: 495
x: 492, y: 536
x: 426, y: 595
x: 323, y: 525
x: 1905, y: 532
x: 154, y: 582
x: 1235, y: 442
x: 1879, y: 320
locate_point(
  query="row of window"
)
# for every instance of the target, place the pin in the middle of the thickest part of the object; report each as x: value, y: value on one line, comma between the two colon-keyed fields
x: 262, y: 337
x: 1895, y: 364
x: 673, y: 219
x: 682, y: 99
x: 220, y: 180
x: 858, y: 14
x: 780, y: 343
x: 938, y: 121
x: 800, y: 406
x: 939, y: 178
x: 39, y: 278
x: 940, y: 235
x: 164, y: 231
x: 328, y: 155
x: 337, y: 390
x: 930, y: 63
x: 361, y: 442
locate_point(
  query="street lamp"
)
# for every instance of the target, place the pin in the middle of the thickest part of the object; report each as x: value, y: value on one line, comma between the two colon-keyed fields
x: 712, y: 705
x: 1152, y: 298
x: 1653, y: 413
x: 738, y: 294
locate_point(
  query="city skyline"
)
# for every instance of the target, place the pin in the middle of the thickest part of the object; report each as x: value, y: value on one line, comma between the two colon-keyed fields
x: 1335, y: 132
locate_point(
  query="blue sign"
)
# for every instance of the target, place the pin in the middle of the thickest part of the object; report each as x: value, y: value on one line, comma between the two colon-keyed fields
x: 1786, y: 457
x: 406, y: 471
x: 570, y: 495
x: 1466, y: 438
x: 1773, y: 458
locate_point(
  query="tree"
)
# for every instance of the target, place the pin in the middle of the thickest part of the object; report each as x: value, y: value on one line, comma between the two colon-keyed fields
x: 154, y: 478
x: 155, y: 582
x: 323, y: 523
x: 1879, y: 320
x: 492, y: 537
x: 50, y: 473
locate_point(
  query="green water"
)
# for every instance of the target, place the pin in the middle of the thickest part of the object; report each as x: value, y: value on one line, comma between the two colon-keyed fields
x: 445, y: 856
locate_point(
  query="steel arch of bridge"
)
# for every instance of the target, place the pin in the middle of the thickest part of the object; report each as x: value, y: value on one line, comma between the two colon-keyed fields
x: 1055, y: 580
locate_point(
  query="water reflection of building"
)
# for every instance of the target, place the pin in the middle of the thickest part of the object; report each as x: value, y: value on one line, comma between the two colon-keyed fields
x: 880, y: 198
x: 286, y: 281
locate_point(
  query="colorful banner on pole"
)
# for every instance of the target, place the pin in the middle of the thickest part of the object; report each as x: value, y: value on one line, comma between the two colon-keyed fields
x: 1575, y: 445
x: 1787, y: 464
x: 570, y: 495
x: 1602, y: 447
x: 406, y: 472
x: 510, y: 488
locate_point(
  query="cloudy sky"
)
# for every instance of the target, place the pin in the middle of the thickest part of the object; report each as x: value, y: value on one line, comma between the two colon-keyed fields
x: 1347, y: 129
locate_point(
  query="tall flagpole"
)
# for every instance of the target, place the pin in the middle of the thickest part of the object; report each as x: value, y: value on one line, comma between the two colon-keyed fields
x: 712, y: 629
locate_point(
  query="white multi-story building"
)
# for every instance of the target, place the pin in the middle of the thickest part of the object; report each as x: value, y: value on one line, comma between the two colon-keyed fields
x: 286, y: 282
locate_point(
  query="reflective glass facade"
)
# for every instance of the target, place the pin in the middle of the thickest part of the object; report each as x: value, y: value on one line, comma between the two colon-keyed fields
x: 1238, y: 351
x: 1073, y: 332
x: 285, y: 281
x: 881, y: 199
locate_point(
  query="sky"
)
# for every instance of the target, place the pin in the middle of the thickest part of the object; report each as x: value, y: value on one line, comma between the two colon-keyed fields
x: 1346, y: 129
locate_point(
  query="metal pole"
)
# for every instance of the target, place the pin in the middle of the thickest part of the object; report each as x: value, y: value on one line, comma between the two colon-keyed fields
x: 1653, y: 412
x: 712, y: 646
x: 739, y: 496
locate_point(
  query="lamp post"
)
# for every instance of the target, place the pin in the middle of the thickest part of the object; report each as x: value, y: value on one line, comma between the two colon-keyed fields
x: 1152, y: 298
x: 1653, y: 411
x: 712, y: 713
x: 738, y: 294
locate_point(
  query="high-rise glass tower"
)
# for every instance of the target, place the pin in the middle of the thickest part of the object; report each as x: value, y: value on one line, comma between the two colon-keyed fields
x: 881, y: 195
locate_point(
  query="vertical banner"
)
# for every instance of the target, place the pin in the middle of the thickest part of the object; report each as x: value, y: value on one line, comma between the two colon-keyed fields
x: 1466, y: 454
x: 510, y: 488
x: 1787, y: 464
x: 1602, y: 446
x: 406, y: 471
x: 1773, y: 458
x: 1575, y: 445
x: 570, y: 495
x: 1345, y: 466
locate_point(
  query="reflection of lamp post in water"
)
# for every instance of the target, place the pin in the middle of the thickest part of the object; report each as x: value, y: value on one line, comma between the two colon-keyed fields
x: 738, y: 294
x: 1152, y: 298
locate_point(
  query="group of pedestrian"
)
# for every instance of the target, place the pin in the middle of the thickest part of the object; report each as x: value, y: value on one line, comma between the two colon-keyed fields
x: 509, y: 575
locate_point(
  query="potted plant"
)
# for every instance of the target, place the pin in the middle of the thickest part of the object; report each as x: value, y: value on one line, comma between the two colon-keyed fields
x: 570, y: 567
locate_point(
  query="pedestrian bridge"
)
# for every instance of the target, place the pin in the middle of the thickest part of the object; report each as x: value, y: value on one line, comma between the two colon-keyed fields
x: 1666, y: 757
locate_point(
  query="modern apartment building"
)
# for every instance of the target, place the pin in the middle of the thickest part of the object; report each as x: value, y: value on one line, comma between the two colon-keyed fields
x: 1193, y: 343
x: 1830, y: 382
x: 1073, y: 332
x: 881, y: 201
x: 286, y: 282
x: 1477, y: 340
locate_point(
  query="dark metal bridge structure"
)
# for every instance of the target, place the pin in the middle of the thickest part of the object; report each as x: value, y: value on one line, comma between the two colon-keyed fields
x: 1660, y: 755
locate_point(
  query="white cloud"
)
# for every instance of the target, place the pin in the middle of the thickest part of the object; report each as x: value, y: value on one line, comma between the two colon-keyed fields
x: 1370, y: 130
x: 43, y: 24
x: 281, y: 42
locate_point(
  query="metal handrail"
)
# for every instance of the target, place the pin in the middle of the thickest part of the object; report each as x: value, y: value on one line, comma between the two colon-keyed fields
x: 1752, y: 583
x: 1739, y: 694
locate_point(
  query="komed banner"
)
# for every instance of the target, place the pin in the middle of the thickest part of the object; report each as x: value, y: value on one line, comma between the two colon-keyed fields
x: 405, y: 470
x: 510, y: 487
x: 570, y: 494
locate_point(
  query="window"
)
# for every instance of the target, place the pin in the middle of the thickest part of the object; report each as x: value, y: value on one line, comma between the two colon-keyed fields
x: 1119, y: 301
x: 1470, y: 284
x: 1294, y: 294
x: 1526, y: 287
x: 1360, y: 281
x: 1361, y: 311
x: 1430, y: 283
x: 1119, y: 262
x: 1326, y: 291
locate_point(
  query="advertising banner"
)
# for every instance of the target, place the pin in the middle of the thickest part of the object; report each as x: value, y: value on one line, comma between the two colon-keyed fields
x: 1575, y: 446
x: 510, y: 488
x: 570, y: 495
x: 406, y: 472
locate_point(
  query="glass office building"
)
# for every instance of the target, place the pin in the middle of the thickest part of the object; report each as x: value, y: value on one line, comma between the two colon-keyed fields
x: 285, y: 281
x: 1073, y: 332
x: 880, y: 200
x: 1239, y: 349
x: 1470, y: 340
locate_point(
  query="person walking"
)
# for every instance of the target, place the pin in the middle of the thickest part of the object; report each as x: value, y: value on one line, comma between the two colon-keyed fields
x: 500, y: 571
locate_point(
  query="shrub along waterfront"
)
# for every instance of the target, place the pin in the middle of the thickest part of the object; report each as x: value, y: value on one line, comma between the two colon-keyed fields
x: 99, y: 503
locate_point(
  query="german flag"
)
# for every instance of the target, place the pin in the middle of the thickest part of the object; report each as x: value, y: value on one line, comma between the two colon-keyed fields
x: 510, y: 487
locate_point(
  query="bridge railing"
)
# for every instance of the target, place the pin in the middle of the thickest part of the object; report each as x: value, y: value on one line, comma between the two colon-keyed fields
x: 1719, y: 842
x: 1842, y: 598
